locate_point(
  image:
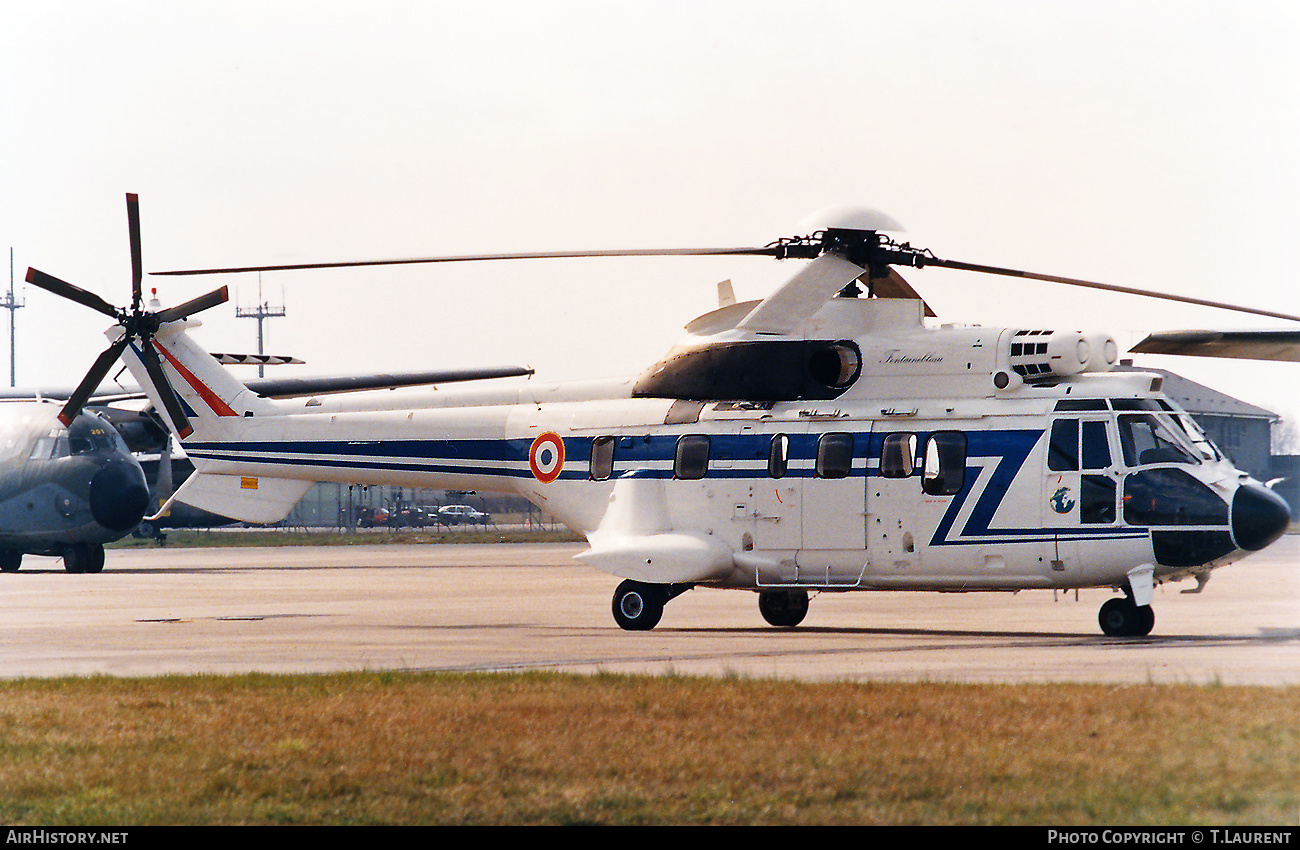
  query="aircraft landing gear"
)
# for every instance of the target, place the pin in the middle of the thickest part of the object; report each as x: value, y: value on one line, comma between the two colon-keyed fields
x: 783, y: 608
x: 638, y: 606
x: 10, y: 560
x: 1119, y: 617
x: 83, y: 558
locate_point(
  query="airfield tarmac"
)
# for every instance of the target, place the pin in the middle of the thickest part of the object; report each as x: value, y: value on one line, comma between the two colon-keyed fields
x: 454, y: 607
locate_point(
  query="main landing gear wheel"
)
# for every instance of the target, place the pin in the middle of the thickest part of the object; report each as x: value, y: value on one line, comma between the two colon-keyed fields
x: 10, y: 560
x: 83, y: 558
x: 1121, y: 618
x: 638, y: 606
x: 783, y: 608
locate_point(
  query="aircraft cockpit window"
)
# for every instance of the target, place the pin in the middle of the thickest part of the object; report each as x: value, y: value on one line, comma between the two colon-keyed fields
x: 692, y: 459
x: 1063, y: 446
x: 898, y: 455
x: 1203, y: 445
x: 1096, y: 446
x: 91, y: 434
x: 944, y: 473
x: 1147, y: 440
x: 834, y: 455
x: 602, y: 458
x: 1081, y: 404
x: 778, y: 456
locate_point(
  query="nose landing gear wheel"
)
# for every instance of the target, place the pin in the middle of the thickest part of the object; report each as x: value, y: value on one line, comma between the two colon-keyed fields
x: 1121, y: 618
x: 783, y: 608
x: 83, y: 558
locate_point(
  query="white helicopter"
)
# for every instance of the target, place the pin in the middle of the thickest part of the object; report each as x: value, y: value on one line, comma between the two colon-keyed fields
x: 813, y: 441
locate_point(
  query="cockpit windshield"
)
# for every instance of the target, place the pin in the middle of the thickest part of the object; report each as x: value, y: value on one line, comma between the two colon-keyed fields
x: 1203, y: 445
x: 1147, y: 439
x: 86, y: 434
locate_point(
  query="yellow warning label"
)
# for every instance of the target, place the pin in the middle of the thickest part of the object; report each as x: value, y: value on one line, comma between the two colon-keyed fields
x: 248, y: 484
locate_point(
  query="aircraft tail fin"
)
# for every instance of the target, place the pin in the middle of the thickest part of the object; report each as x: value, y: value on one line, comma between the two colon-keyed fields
x: 214, y: 400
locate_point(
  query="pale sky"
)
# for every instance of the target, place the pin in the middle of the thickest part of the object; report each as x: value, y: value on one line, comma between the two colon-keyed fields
x: 1147, y: 144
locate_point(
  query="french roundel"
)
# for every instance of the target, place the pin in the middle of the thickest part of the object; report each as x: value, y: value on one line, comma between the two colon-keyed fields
x: 546, y: 457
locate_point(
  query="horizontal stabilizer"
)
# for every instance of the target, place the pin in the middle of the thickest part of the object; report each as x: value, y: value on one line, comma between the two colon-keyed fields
x: 228, y: 359
x: 245, y: 498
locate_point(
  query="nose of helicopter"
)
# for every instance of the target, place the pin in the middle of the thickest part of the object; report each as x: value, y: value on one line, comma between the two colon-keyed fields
x: 118, y: 496
x: 1259, y: 516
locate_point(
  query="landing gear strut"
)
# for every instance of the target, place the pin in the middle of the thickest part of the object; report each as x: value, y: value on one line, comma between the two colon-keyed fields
x: 638, y: 606
x: 1119, y: 617
x: 783, y: 608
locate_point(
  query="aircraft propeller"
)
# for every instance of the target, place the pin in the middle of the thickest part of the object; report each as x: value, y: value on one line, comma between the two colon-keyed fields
x: 136, y: 322
x: 863, y: 247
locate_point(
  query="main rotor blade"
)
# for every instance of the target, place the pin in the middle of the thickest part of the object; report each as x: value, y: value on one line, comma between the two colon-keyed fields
x: 1283, y: 345
x: 50, y: 283
x: 170, y: 403
x: 194, y: 305
x: 90, y: 383
x: 137, y: 266
x: 768, y: 251
x: 1109, y: 287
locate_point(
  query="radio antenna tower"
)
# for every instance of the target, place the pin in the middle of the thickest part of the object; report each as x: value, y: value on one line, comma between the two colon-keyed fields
x: 261, y: 312
x: 12, y: 305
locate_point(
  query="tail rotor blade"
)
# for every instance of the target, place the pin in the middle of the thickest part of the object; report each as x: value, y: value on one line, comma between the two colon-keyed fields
x: 98, y: 370
x: 50, y: 283
x: 170, y: 403
x: 194, y: 305
x: 137, y: 266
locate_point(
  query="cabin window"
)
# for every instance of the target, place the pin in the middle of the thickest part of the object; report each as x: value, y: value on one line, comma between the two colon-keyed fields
x: 834, y: 455
x: 945, y: 463
x: 692, y: 459
x: 898, y: 455
x: 602, y: 458
x: 778, y: 456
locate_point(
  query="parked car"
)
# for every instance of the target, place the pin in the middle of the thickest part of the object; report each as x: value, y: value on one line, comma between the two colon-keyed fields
x: 456, y: 514
x: 410, y: 517
x: 372, y: 517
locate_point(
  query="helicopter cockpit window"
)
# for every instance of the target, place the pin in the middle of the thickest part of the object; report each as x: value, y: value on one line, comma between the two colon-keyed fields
x: 1146, y: 440
x: 602, y: 458
x: 1096, y: 446
x: 1063, y: 446
x: 1203, y: 445
x: 944, y: 473
x: 834, y: 455
x: 692, y: 459
x: 778, y: 456
x: 1066, y: 452
x: 898, y: 455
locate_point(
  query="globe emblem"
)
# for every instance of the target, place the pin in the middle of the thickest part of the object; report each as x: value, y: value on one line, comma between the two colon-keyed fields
x: 1062, y: 501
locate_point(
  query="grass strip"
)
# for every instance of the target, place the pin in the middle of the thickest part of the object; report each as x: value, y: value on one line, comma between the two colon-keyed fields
x: 537, y: 748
